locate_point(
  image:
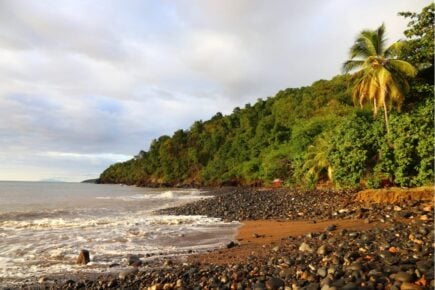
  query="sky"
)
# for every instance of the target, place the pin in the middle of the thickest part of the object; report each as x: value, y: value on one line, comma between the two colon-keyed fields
x: 85, y: 84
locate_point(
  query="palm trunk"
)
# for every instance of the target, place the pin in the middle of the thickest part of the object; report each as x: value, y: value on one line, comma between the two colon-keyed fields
x: 387, y: 123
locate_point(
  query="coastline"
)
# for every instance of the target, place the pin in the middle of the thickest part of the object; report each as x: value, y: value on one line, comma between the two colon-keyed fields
x: 347, y: 245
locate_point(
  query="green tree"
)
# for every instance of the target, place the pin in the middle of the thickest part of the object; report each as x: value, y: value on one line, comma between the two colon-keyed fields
x: 317, y: 164
x: 352, y: 147
x: 383, y: 78
x: 419, y: 51
x: 420, y: 33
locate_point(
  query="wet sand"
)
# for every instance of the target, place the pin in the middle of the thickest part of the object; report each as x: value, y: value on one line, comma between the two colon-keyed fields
x: 315, y: 240
x: 257, y: 238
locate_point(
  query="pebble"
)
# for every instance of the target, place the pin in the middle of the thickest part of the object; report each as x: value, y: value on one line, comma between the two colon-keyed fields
x: 355, y: 267
x: 402, y: 277
x: 322, y: 250
x: 304, y: 247
x: 321, y: 272
x: 134, y: 261
x: 424, y: 217
x: 395, y: 257
x: 83, y: 257
x: 274, y: 284
x: 42, y: 279
x: 125, y: 273
x: 156, y: 287
x: 397, y: 208
x: 275, y: 249
x: 331, y: 228
x: 350, y: 286
x: 270, y: 204
x: 231, y: 245
x: 409, y: 286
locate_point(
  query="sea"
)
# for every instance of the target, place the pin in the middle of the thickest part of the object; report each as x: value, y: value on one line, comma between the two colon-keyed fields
x: 44, y: 225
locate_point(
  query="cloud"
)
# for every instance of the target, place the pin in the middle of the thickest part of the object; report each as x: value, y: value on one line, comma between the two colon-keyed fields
x: 88, y: 81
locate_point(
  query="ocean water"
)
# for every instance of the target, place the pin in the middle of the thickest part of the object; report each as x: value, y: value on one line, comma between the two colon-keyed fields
x: 43, y: 227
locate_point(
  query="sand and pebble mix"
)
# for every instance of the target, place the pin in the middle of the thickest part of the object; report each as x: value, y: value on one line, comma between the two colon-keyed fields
x: 395, y: 253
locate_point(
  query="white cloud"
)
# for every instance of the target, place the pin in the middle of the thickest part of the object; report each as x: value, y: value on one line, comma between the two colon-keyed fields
x: 84, y: 77
x: 80, y: 156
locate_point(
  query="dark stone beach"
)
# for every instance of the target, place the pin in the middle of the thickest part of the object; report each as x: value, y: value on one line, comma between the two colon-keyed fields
x: 321, y: 239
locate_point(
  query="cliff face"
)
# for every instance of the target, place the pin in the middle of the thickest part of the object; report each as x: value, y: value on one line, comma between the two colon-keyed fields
x: 95, y: 180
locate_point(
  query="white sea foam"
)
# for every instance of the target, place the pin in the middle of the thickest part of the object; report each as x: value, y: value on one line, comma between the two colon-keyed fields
x: 175, y: 195
x: 41, y: 242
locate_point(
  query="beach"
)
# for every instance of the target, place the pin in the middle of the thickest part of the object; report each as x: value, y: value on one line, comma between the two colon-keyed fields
x: 44, y: 226
x: 352, y: 243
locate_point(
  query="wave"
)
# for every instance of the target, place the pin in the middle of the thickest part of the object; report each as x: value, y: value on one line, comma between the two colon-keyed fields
x: 49, y: 245
x: 36, y: 214
x: 127, y: 220
x: 167, y: 195
x: 46, y: 237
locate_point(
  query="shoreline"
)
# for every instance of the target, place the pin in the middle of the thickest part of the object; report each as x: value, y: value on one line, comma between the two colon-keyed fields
x: 316, y: 248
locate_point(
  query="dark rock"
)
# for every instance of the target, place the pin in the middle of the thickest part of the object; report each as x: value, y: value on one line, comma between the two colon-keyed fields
x: 355, y: 267
x: 231, y: 245
x: 331, y: 228
x: 350, y: 286
x: 114, y: 265
x: 378, y: 258
x: 83, y: 258
x: 274, y: 284
x: 313, y: 286
x: 259, y: 286
x: 424, y: 266
x: 134, y: 261
x: 126, y: 273
x: 402, y: 277
x: 405, y: 214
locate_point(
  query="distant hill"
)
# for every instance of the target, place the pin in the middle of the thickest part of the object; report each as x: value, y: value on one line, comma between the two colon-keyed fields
x: 51, y: 180
x: 95, y: 180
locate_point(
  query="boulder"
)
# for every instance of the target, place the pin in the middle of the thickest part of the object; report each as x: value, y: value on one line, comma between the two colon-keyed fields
x: 83, y: 258
x: 134, y: 261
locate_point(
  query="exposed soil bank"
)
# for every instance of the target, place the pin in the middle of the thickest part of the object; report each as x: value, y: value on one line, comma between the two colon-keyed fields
x: 395, y: 194
x: 300, y: 240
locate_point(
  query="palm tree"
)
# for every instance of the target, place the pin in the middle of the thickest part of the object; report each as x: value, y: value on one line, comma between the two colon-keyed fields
x: 316, y: 163
x: 382, y: 77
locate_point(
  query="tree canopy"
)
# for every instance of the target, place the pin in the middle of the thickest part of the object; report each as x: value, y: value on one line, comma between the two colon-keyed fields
x: 383, y: 78
x: 311, y: 134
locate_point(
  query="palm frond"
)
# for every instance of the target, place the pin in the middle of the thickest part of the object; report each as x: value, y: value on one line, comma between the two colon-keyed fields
x: 402, y: 67
x: 396, y: 96
x: 363, y: 47
x: 380, y: 40
x: 382, y: 80
x: 394, y: 50
x: 316, y: 160
x: 352, y: 64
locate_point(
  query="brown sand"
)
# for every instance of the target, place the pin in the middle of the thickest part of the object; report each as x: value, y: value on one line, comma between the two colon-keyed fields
x: 256, y: 238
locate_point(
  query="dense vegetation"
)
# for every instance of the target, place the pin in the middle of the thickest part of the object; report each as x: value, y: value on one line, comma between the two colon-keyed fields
x: 308, y: 135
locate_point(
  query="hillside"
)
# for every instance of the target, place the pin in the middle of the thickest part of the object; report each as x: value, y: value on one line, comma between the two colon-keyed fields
x: 303, y: 136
